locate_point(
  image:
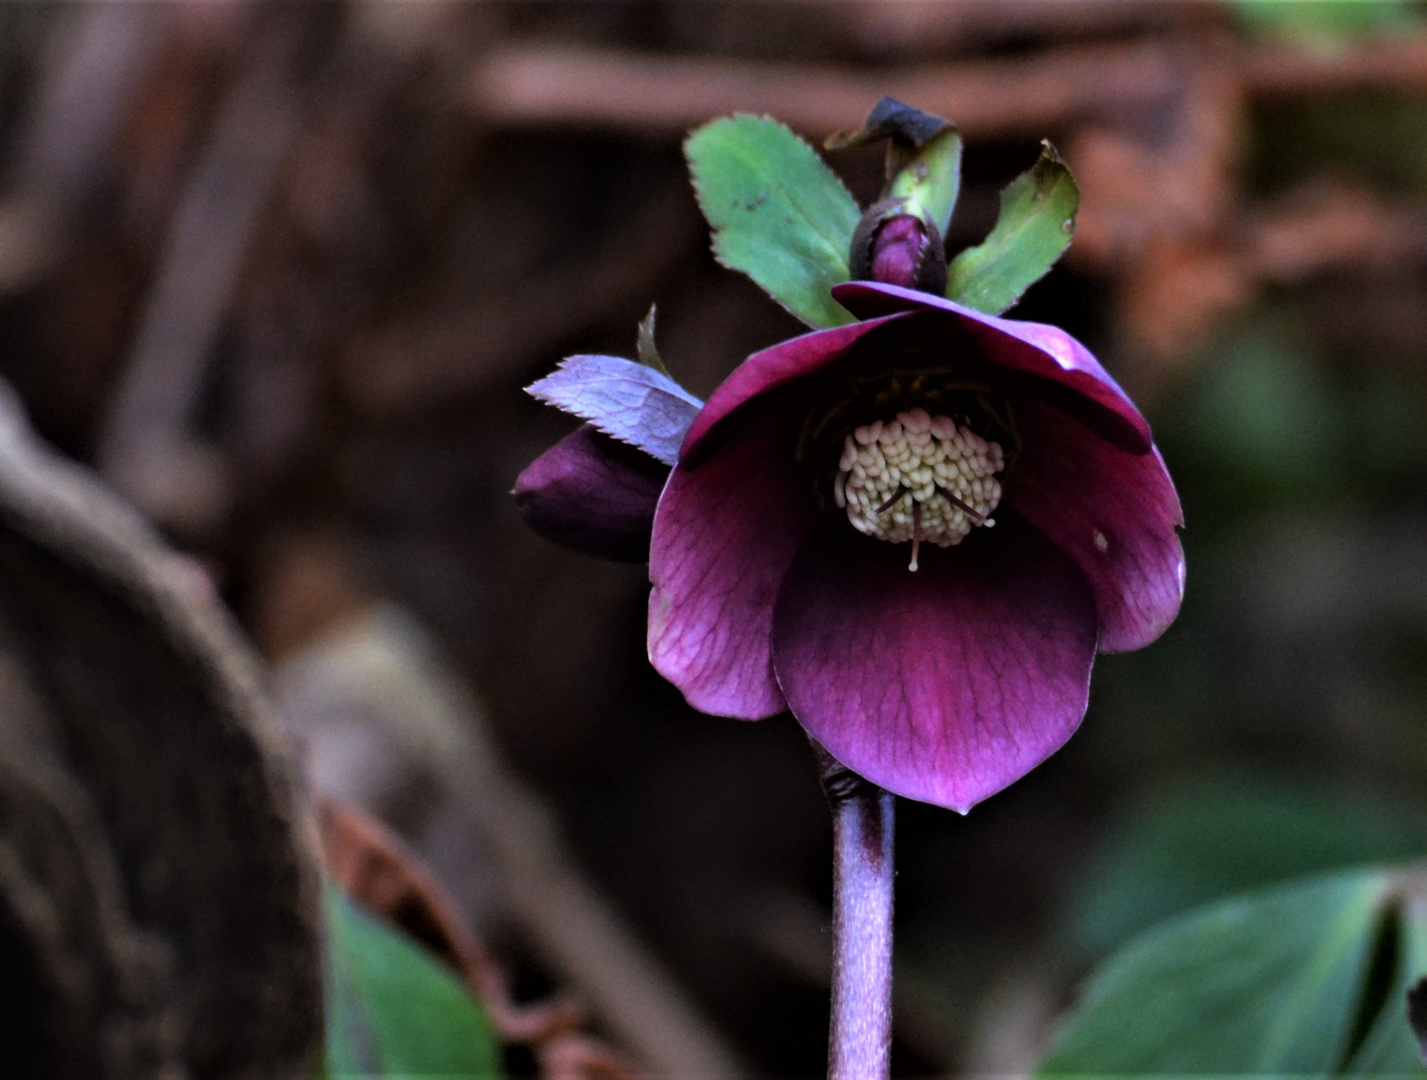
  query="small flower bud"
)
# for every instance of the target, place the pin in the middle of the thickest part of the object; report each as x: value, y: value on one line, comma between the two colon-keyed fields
x: 593, y: 494
x: 898, y: 248
x: 897, y: 251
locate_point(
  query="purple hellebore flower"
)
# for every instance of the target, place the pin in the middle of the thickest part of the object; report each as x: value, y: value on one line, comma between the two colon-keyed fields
x: 915, y: 532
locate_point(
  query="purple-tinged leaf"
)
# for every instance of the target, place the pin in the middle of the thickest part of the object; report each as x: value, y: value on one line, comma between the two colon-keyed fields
x: 628, y: 401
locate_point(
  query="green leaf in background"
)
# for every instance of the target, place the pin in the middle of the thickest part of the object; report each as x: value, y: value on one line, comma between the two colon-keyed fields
x: 1327, y: 20
x: 1380, y: 140
x: 777, y: 212
x: 1036, y: 223
x: 1389, y: 1047
x: 1244, y: 416
x: 1224, y: 833
x: 393, y: 1009
x: 1279, y: 982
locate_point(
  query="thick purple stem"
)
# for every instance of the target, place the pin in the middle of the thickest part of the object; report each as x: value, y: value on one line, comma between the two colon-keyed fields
x: 860, y: 1032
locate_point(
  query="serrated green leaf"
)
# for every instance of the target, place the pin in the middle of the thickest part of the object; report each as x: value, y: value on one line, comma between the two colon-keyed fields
x: 1267, y: 983
x: 778, y: 213
x: 393, y: 1009
x: 1036, y: 223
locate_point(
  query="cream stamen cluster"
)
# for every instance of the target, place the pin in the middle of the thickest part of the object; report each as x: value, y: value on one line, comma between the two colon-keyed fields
x: 919, y: 477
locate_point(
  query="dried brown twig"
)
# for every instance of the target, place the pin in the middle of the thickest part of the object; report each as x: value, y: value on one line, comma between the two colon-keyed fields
x: 372, y: 865
x: 1019, y: 96
x: 580, y: 87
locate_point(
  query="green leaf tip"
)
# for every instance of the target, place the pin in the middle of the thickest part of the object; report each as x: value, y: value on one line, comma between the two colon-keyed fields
x: 1034, y: 228
x: 644, y: 346
x: 777, y: 212
x: 392, y: 1008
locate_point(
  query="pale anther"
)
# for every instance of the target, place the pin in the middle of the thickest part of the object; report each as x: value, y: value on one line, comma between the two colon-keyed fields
x: 918, y: 478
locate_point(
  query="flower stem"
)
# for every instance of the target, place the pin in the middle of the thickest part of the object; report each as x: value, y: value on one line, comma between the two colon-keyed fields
x: 860, y: 1032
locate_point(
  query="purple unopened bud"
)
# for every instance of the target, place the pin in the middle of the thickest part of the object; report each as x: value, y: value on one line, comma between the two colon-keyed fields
x: 593, y: 494
x: 898, y: 249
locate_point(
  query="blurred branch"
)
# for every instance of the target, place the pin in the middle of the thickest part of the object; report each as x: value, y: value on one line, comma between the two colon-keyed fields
x: 1395, y: 65
x: 372, y: 865
x: 1333, y: 226
x: 1019, y: 96
x: 580, y: 87
x: 921, y: 26
x: 465, y: 347
x: 145, y: 447
x: 87, y: 80
x: 1185, y: 286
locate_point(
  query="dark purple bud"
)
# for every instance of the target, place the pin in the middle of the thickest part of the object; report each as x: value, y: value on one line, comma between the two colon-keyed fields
x: 897, y: 251
x: 897, y: 248
x: 593, y: 494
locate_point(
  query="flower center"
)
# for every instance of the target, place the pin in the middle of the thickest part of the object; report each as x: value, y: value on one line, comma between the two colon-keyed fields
x: 919, y: 477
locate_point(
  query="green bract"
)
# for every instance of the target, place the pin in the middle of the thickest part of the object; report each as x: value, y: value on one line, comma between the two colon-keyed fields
x: 929, y: 178
x: 1036, y: 223
x: 777, y: 212
x: 1306, y: 979
x: 393, y: 1009
x: 923, y: 159
x: 645, y: 349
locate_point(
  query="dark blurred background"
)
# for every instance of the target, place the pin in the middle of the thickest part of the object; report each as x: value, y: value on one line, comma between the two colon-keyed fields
x: 279, y: 273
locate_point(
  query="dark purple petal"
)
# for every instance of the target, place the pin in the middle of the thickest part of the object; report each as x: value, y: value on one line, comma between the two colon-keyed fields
x: 944, y: 685
x: 634, y: 403
x: 1045, y: 352
x: 770, y: 369
x: 593, y: 494
x: 724, y: 535
x: 1114, y: 513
